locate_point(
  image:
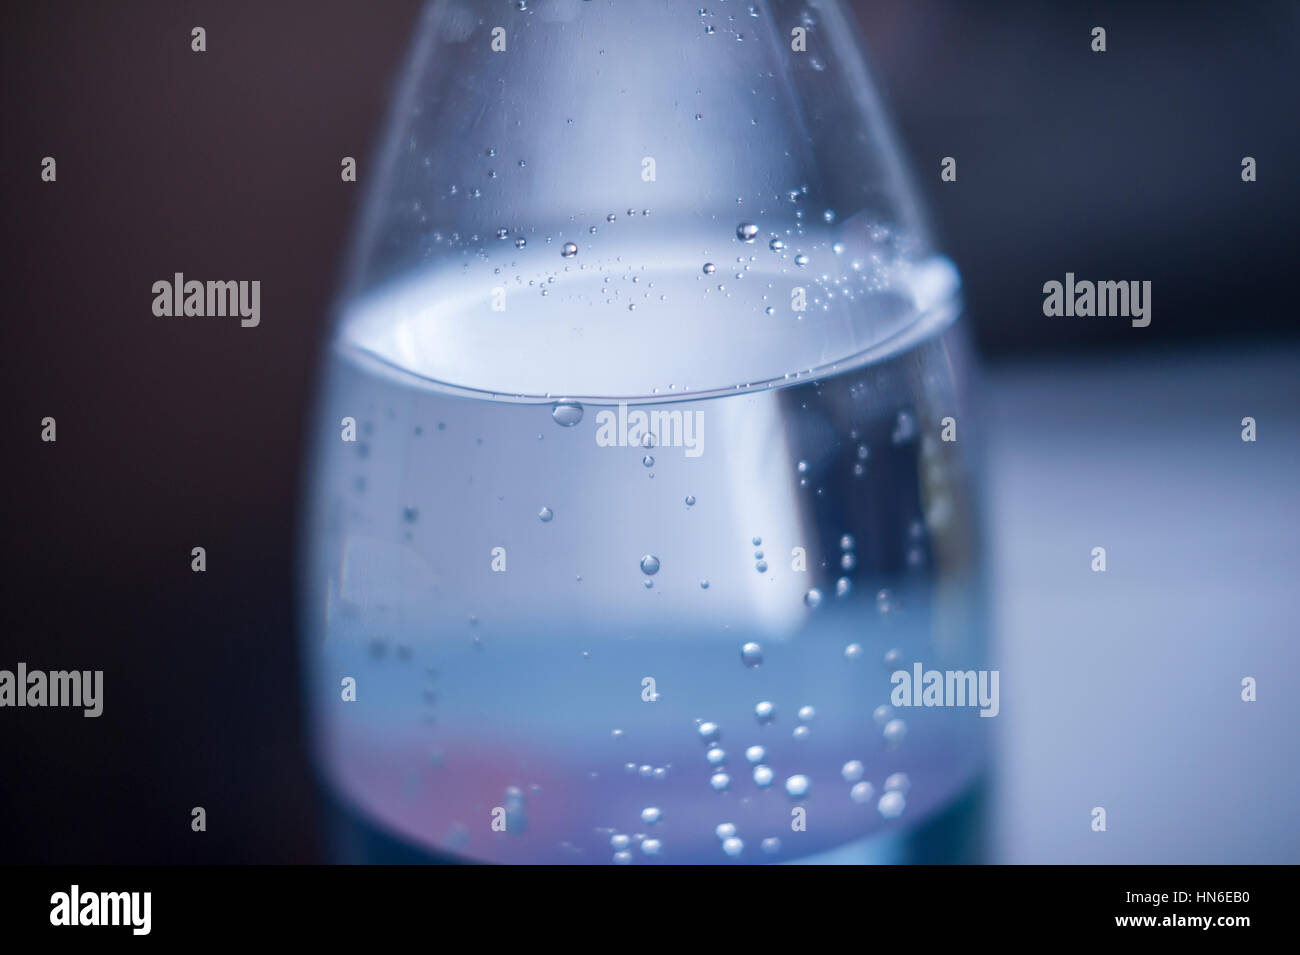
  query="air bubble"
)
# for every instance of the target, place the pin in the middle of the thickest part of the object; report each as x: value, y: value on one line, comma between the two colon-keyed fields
x: 546, y: 514
x: 853, y: 652
x: 891, y: 805
x: 651, y: 815
x: 720, y: 782
x: 755, y: 754
x: 813, y: 598
x: 797, y: 786
x: 764, y: 712
x: 733, y: 847
x: 746, y: 231
x: 852, y: 771
x: 566, y: 413
x: 861, y: 793
x: 763, y: 776
x: 895, y: 730
x: 568, y: 250
x: 650, y: 565
x: 898, y: 782
x: 751, y: 654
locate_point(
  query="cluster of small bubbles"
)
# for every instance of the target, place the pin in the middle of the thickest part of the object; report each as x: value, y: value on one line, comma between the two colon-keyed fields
x: 709, y: 268
x: 720, y: 782
x: 568, y: 250
x: 854, y: 650
x: 755, y: 754
x: 882, y: 713
x: 852, y: 771
x: 764, y: 712
x: 566, y: 413
x: 842, y: 587
x: 813, y: 598
x: 763, y: 776
x: 894, y: 731
x: 650, y: 565
x: 690, y: 500
x: 891, y: 805
x: 545, y: 514
x: 797, y: 786
x: 893, y: 657
x: 751, y: 654
x: 651, y: 815
x: 709, y: 732
x: 724, y: 830
x: 861, y: 793
x: 746, y: 231
x: 771, y: 845
x: 716, y: 756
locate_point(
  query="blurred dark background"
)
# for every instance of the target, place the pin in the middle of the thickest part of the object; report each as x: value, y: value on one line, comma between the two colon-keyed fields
x: 1117, y: 165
